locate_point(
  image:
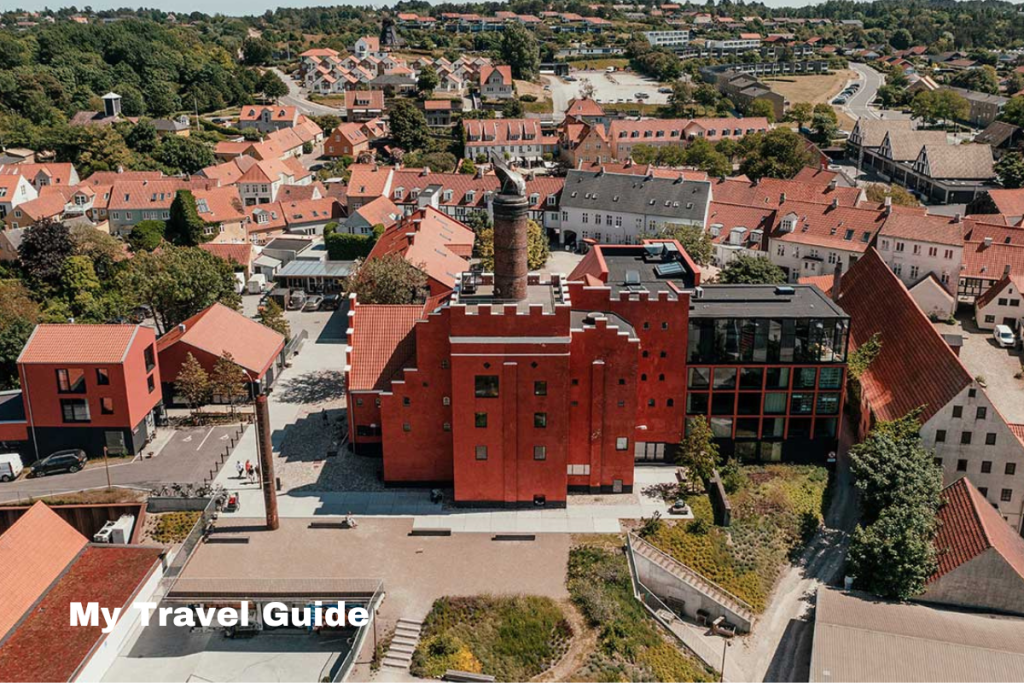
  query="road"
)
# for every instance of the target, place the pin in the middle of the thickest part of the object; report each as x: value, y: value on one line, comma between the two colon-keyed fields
x: 870, y: 81
x: 187, y: 457
x: 296, y: 98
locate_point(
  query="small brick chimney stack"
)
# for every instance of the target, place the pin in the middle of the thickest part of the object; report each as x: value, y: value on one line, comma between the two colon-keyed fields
x: 511, y: 210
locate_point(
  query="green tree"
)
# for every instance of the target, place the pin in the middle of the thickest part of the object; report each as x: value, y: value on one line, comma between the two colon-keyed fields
x: 271, y: 85
x: 467, y: 167
x: 512, y: 109
x: 519, y: 49
x: 387, y: 280
x: 862, y: 357
x: 537, y: 247
x: 100, y: 248
x: 146, y: 235
x: 1013, y: 111
x: 185, y: 227
x: 703, y: 155
x: 42, y: 254
x: 940, y: 105
x: 800, y: 113
x: 751, y: 270
x: 184, y: 155
x: 193, y: 383
x: 644, y: 154
x: 1010, y: 169
x: 879, y: 192
x: 698, y: 452
x: 680, y: 102
x: 176, y: 283
x: 272, y: 316
x: 256, y: 51
x: 901, y: 39
x: 984, y: 79
x: 428, y: 80
x: 18, y: 317
x: 762, y: 107
x: 408, y: 126
x: 228, y: 380
x: 779, y: 153
x: 142, y: 137
x: 895, y: 556
x: 824, y: 122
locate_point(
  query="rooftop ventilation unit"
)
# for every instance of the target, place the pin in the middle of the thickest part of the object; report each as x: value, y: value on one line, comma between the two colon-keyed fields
x: 670, y: 269
x: 785, y: 290
x: 632, y: 277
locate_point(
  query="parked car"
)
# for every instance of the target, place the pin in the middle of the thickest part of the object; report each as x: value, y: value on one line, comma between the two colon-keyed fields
x: 10, y: 466
x: 610, y: 69
x: 296, y: 300
x: 665, y: 91
x: 332, y: 302
x: 570, y: 78
x: 641, y: 95
x: 313, y: 303
x: 1004, y: 336
x: 70, y: 460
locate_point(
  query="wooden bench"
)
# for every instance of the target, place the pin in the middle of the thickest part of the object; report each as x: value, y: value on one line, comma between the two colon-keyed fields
x: 466, y: 677
x: 430, y: 532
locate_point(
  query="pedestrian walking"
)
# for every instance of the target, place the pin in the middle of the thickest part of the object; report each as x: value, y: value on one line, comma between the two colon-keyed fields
x: 248, y: 470
x: 255, y: 474
x: 239, y: 467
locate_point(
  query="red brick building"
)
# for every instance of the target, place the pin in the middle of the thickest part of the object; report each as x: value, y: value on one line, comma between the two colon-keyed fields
x: 89, y: 387
x: 519, y: 388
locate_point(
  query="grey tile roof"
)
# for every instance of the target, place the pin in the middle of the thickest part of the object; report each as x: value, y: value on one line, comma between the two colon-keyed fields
x: 873, y: 131
x: 905, y: 145
x: 960, y: 162
x: 620, y: 193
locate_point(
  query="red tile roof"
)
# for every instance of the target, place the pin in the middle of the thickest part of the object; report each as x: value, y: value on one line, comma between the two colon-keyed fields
x: 33, y: 552
x: 380, y: 211
x: 841, y: 227
x: 488, y: 133
x: 383, y: 343
x: 730, y: 216
x: 437, y: 105
x: 969, y: 526
x: 816, y: 176
x: 219, y: 330
x: 915, y: 366
x: 927, y: 228
x: 364, y: 99
x: 769, y: 192
x: 111, y: 177
x: 368, y: 180
x: 976, y: 230
x: 583, y: 107
x: 45, y: 647
x: 75, y: 343
x: 240, y: 253
x: 993, y: 292
x: 1009, y: 202
x: 58, y: 174
x: 277, y: 113
x: 437, y: 245
x: 461, y: 184
x: 993, y: 261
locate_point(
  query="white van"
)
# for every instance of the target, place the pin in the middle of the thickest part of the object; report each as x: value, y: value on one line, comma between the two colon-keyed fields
x: 1004, y: 336
x: 10, y: 466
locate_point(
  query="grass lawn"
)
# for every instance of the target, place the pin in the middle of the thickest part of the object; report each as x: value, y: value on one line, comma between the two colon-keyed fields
x: 814, y: 89
x: 634, y: 108
x: 328, y: 100
x: 95, y: 497
x: 599, y: 64
x: 630, y: 645
x: 511, y: 638
x: 775, y: 509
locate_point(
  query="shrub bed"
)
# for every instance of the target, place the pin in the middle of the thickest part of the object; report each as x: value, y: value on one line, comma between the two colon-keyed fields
x: 511, y: 638
x: 630, y: 645
x: 173, y: 527
x: 776, y: 509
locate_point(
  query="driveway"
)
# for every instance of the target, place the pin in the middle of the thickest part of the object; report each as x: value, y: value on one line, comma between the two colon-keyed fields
x: 297, y: 98
x: 870, y: 81
x: 186, y: 456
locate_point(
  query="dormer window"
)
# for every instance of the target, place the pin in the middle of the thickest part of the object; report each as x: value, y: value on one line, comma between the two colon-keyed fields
x: 788, y: 223
x: 399, y: 192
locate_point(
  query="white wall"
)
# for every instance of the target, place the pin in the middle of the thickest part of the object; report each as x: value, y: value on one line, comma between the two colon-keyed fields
x: 997, y: 312
x: 915, y: 260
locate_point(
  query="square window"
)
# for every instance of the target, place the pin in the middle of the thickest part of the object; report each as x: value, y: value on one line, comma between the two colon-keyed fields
x: 972, y: 393
x: 576, y: 382
x: 958, y: 411
x: 1011, y: 468
x: 486, y: 386
x: 621, y: 443
x: 75, y: 409
x: 540, y: 452
x: 481, y: 452
x: 540, y: 388
x: 965, y: 438
x: 650, y: 403
x: 749, y: 404
x: 696, y: 404
x: 540, y: 420
x: 751, y: 378
x: 406, y: 427
x: 940, y: 436
x: 480, y: 420
x: 983, y: 490
x: 961, y: 465
x: 990, y: 439
x: 447, y: 426
x: 986, y: 466
x: 71, y: 381
x: 725, y: 378
x: 981, y: 413
x: 723, y: 404
x: 406, y: 401
x: 107, y: 406
x: 102, y: 377
x: 700, y: 378
x: 1006, y: 495
x: 721, y: 427
x: 937, y: 462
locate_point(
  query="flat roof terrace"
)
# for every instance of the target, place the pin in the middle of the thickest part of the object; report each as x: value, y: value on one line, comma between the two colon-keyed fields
x: 763, y: 301
x: 477, y: 289
x: 637, y: 268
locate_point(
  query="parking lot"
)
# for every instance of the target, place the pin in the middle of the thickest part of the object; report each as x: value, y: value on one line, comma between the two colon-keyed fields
x: 997, y: 365
x: 181, y: 456
x: 608, y: 88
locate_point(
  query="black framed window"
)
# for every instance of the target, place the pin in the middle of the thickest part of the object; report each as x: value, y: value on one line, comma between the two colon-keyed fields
x: 697, y: 404
x: 70, y: 381
x: 107, y: 406
x: 540, y: 388
x: 700, y: 378
x: 540, y: 420
x: 150, y: 355
x: 75, y: 410
x: 102, y: 377
x: 480, y: 420
x: 486, y: 386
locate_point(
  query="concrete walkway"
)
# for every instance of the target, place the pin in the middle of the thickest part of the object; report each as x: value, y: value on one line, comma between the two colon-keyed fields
x: 588, y: 517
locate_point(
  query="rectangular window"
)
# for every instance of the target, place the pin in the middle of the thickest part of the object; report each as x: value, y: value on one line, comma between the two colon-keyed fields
x: 700, y: 378
x: 1006, y: 495
x: 540, y: 388
x: 958, y: 411
x: 965, y: 438
x: 696, y: 404
x: 71, y: 381
x: 1011, y: 468
x: 961, y: 465
x: 801, y: 404
x: 621, y: 443
x: 830, y: 378
x: 986, y: 466
x: 937, y: 462
x: 487, y: 386
x: 480, y: 420
x: 151, y: 384
x: 775, y: 403
x: 540, y: 452
x: 981, y: 413
x: 107, y: 406
x: 75, y: 409
x: 725, y: 378
x: 150, y: 357
x: 828, y: 404
x: 751, y: 378
x: 102, y: 377
x: 990, y: 439
x: 540, y: 420
x: 481, y: 452
x: 940, y: 436
x: 406, y: 427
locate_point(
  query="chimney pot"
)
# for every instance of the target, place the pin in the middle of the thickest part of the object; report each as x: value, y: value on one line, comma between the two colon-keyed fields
x: 782, y: 198
x: 837, y: 281
x: 988, y: 241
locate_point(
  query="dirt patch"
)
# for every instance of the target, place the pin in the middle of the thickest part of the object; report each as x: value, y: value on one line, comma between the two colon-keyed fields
x: 584, y: 641
x: 815, y: 89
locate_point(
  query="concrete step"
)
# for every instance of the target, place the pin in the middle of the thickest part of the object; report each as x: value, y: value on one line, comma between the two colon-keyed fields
x: 395, y: 664
x: 407, y: 632
x: 404, y: 640
x: 409, y: 622
x: 402, y: 649
x: 398, y: 656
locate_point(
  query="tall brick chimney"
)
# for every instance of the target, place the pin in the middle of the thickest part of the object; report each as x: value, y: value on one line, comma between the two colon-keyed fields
x: 511, y: 210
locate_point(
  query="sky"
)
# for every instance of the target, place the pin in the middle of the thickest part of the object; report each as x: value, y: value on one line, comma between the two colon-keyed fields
x: 241, y: 7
